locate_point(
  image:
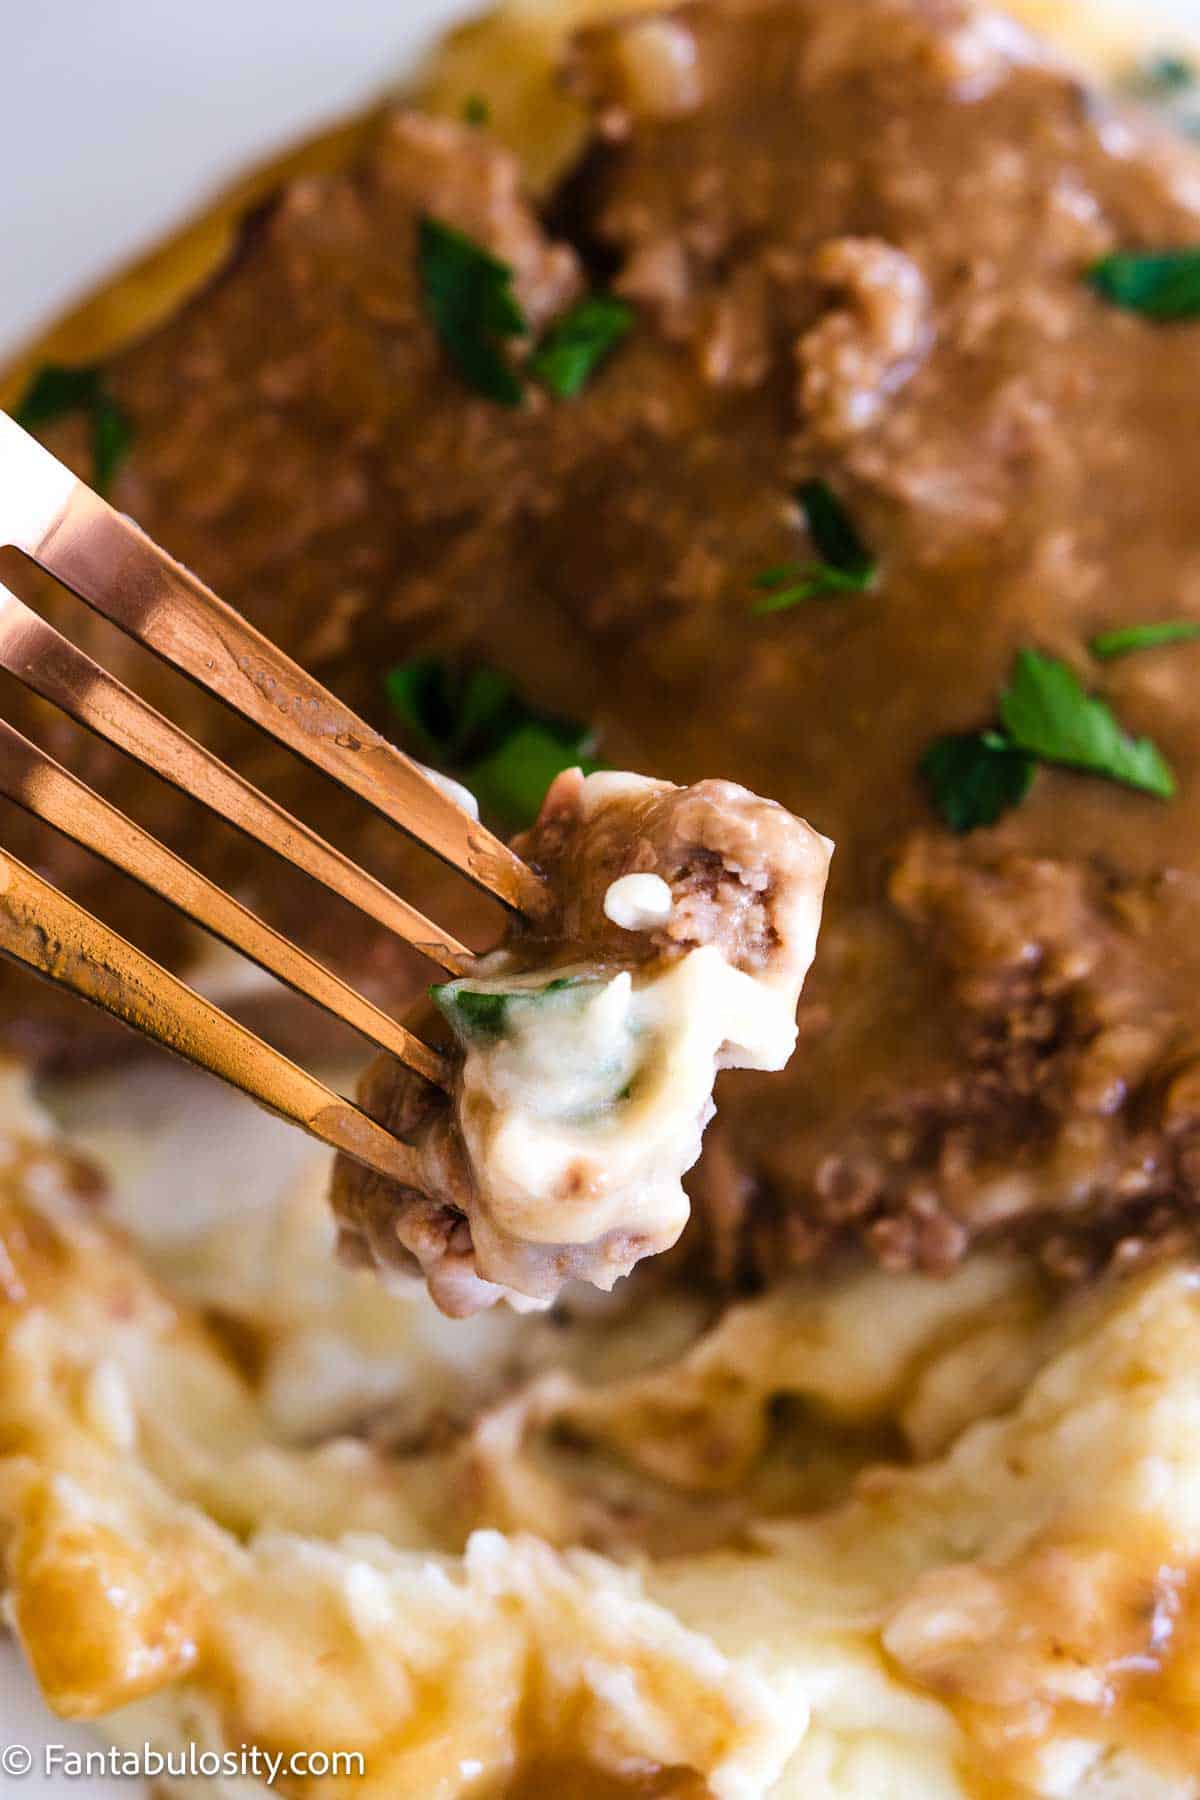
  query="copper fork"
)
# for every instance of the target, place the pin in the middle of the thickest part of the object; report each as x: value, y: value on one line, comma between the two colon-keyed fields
x: 60, y: 524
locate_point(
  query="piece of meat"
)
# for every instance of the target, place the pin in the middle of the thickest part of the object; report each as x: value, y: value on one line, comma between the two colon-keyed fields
x: 743, y: 874
x: 1022, y: 463
x: 603, y: 1084
x: 1070, y: 1117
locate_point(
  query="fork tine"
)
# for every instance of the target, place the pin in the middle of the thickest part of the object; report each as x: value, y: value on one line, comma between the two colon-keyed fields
x: 48, y: 791
x: 59, y: 940
x: 109, y: 562
x: 46, y: 662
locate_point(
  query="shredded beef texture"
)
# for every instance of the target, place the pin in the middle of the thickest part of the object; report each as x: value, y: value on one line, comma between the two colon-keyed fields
x: 405, y: 1231
x: 856, y: 237
x: 742, y: 872
x: 1070, y: 1120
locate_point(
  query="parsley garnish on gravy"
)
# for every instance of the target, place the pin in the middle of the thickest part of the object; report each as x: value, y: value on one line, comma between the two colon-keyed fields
x: 56, y: 391
x: 1160, y: 284
x: 580, y: 341
x: 1047, y: 711
x: 844, y: 563
x: 470, y: 298
x: 975, y: 776
x: 475, y: 725
x: 1047, y: 716
x: 1143, y: 637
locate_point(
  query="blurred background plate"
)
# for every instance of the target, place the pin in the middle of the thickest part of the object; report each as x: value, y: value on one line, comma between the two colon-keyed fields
x: 120, y: 116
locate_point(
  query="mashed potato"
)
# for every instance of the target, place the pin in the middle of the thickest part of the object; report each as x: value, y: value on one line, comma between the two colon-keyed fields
x: 1001, y: 1584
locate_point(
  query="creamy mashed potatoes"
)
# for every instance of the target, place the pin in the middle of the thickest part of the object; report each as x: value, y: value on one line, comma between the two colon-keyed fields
x: 600, y: 1085
x: 997, y: 1600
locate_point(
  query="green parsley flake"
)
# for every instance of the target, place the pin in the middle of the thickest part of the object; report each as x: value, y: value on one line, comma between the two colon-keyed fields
x: 573, y: 349
x: 1047, y: 712
x: 796, y: 582
x: 975, y: 776
x: 1167, y: 82
x: 482, y: 1015
x: 470, y: 299
x: 1166, y: 72
x: 512, y: 782
x: 476, y: 1017
x: 845, y: 564
x: 56, y: 391
x: 834, y: 532
x: 450, y: 714
x: 1047, y: 716
x: 1143, y: 637
x: 476, y: 726
x: 1160, y: 284
x: 476, y: 110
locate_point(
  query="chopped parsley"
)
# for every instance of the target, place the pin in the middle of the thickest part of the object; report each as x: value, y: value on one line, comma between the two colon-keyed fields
x: 476, y: 110
x: 476, y: 1017
x: 448, y: 713
x: 470, y: 299
x: 1163, y: 75
x: 475, y: 725
x: 1143, y: 637
x: 482, y: 1015
x: 512, y: 781
x: 975, y: 776
x: 573, y: 349
x: 56, y: 391
x: 793, y: 583
x: 844, y: 563
x: 1046, y: 710
x: 1167, y: 81
x: 1160, y: 284
x: 1047, y: 716
x: 834, y: 532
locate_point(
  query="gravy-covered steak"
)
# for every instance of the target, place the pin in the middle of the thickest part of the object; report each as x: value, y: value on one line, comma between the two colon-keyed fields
x: 904, y: 424
x: 684, y: 925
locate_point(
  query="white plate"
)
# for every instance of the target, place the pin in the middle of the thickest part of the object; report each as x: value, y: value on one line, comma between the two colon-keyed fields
x: 119, y: 115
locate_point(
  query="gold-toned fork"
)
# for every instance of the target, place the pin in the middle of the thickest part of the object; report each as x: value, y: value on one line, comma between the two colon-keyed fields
x: 69, y: 531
